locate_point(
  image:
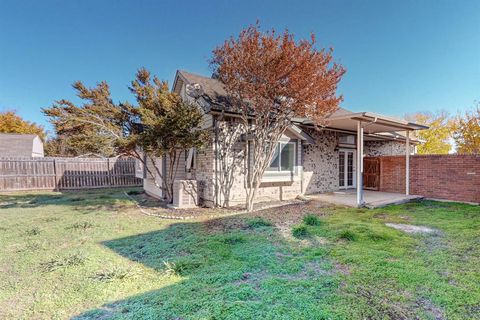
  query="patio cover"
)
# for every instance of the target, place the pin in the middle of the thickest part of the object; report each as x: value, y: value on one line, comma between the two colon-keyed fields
x: 371, y: 122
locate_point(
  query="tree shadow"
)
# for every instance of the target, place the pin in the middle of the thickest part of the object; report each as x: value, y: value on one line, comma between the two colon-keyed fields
x: 91, y: 199
x: 233, y: 271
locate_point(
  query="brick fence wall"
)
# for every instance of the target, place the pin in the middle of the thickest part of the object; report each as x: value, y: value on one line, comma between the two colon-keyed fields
x: 450, y: 177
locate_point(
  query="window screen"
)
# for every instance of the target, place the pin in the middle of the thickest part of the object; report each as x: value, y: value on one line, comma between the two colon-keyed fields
x: 283, y: 158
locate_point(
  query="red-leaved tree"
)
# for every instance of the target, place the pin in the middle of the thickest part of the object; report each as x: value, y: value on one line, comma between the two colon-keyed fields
x: 271, y: 78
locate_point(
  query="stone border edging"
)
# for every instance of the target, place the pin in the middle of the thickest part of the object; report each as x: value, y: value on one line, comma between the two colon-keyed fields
x: 171, y: 217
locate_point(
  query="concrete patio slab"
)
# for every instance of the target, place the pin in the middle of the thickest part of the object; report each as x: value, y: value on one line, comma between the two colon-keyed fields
x: 373, y: 199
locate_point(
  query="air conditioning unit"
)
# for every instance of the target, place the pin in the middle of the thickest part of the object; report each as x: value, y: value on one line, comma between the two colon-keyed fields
x: 185, y: 194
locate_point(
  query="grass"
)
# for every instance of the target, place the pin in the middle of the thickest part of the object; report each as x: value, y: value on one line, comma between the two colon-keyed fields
x: 311, y: 220
x: 258, y: 222
x: 62, y: 262
x: 347, y: 235
x: 300, y: 231
x: 93, y: 255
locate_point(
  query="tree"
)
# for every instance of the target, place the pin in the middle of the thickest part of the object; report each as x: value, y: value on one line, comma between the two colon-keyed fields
x: 467, y: 131
x: 270, y: 79
x: 171, y: 126
x: 161, y: 125
x: 74, y: 138
x: 76, y: 142
x: 435, y: 139
x: 11, y: 122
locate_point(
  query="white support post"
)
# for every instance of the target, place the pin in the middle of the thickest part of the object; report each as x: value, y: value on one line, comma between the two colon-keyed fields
x: 407, y: 164
x: 359, y: 164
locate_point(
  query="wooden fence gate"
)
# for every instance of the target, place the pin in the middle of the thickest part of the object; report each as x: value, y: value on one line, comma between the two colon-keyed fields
x: 66, y: 173
x: 371, y: 173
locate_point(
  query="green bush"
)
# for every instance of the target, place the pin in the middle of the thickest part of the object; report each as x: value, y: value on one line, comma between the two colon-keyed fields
x: 258, y: 222
x: 312, y: 220
x: 300, y: 231
x: 347, y: 235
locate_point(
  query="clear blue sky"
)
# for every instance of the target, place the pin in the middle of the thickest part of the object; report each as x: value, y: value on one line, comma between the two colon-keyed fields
x: 401, y: 56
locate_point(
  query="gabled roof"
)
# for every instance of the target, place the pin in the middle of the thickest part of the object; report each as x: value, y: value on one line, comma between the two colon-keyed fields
x: 343, y: 119
x: 214, y: 91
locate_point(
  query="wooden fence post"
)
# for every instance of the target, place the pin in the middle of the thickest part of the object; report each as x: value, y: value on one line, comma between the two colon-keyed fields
x: 57, y: 178
x: 109, y: 173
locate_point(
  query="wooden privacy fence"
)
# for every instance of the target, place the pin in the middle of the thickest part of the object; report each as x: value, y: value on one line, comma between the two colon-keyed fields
x: 66, y: 173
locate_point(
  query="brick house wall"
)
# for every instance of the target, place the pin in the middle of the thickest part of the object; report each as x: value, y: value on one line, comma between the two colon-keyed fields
x: 320, y: 163
x: 206, y: 173
x: 385, y: 148
x: 449, y: 177
x: 317, y: 170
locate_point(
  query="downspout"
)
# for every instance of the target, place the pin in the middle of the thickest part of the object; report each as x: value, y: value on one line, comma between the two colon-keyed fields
x: 300, y: 154
x: 370, y: 122
x: 215, y: 124
x: 164, y: 173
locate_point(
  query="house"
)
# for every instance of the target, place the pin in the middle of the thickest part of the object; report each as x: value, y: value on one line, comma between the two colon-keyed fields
x: 307, y: 160
x: 20, y: 145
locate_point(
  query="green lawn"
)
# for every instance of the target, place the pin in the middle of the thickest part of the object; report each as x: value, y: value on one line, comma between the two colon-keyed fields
x: 92, y: 254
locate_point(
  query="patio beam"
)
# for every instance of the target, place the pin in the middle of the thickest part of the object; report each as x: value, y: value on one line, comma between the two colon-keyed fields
x: 360, y: 201
x: 407, y: 164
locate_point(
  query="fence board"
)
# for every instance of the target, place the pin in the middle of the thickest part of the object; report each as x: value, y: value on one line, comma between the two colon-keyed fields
x: 66, y: 173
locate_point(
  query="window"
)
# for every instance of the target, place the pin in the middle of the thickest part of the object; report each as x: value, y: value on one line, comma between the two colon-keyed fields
x: 283, y: 158
x: 346, y: 139
x: 190, y: 159
x: 140, y: 171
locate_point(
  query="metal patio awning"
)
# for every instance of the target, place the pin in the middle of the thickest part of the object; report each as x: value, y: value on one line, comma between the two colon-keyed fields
x: 371, y: 123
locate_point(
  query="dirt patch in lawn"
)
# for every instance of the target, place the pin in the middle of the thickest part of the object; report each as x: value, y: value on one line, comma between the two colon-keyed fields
x: 389, y: 308
x: 281, y: 217
x: 342, y: 268
x: 408, y: 228
x: 253, y: 279
x: 432, y: 310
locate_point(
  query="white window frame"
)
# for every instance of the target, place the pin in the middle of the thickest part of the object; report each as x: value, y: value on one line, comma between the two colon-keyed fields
x: 294, y: 144
x: 345, y: 173
x: 190, y: 161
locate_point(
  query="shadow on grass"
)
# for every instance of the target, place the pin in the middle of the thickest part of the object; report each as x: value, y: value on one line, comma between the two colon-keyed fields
x: 242, y: 272
x: 93, y: 198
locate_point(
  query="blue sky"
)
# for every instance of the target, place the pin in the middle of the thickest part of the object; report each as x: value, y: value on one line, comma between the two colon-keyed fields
x: 401, y: 56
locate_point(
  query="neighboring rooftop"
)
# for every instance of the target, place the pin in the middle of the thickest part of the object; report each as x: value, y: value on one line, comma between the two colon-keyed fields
x: 20, y: 145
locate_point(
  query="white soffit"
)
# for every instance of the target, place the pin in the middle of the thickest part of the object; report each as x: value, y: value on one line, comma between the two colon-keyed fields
x: 371, y: 122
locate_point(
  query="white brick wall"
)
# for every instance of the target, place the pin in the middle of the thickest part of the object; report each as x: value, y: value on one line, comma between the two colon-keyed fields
x: 320, y: 163
x: 317, y: 170
x: 385, y: 148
